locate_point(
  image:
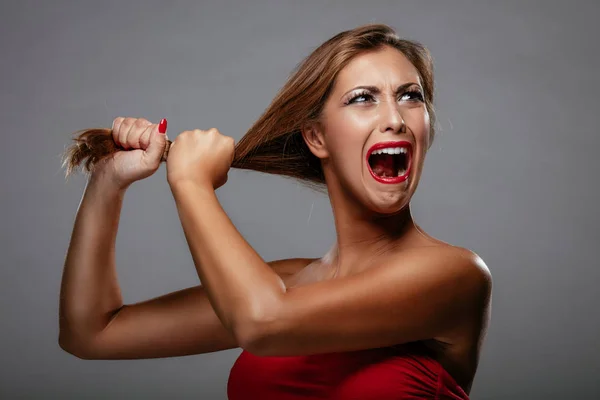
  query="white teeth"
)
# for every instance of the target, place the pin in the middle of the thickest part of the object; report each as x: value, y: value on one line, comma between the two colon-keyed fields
x: 391, y: 150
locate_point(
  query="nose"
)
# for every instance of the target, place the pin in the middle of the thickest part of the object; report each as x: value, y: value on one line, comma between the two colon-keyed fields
x: 391, y: 118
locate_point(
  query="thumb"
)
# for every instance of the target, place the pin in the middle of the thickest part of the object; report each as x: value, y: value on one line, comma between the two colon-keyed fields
x: 158, y: 141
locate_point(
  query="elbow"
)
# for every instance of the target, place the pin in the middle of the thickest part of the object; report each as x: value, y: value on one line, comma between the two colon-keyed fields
x: 259, y: 329
x: 244, y: 334
x: 253, y: 344
x: 256, y: 338
x: 77, y: 338
x: 74, y: 346
x: 68, y: 347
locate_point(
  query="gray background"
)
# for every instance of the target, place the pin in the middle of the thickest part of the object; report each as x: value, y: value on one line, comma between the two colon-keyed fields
x: 512, y: 174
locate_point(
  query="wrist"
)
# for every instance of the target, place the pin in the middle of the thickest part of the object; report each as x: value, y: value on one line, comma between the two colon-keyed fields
x: 105, y: 183
x: 183, y: 184
x: 178, y: 188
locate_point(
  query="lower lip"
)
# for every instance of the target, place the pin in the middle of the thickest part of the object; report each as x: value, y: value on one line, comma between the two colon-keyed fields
x: 391, y: 180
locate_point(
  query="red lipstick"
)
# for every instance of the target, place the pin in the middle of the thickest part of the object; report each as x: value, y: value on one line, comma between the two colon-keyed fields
x: 383, y: 145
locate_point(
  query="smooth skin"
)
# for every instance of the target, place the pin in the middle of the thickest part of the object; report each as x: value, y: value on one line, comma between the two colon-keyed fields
x: 393, y: 283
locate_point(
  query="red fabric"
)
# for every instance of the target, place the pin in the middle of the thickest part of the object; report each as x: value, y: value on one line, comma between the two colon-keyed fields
x: 393, y: 373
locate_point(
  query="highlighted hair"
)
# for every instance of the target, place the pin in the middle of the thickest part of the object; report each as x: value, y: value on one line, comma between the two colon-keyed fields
x: 274, y: 144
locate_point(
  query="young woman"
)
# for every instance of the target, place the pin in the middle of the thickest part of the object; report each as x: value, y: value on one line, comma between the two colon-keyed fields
x: 389, y: 313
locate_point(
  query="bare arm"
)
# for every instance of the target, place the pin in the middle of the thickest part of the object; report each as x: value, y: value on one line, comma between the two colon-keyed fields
x: 90, y: 293
x: 94, y: 322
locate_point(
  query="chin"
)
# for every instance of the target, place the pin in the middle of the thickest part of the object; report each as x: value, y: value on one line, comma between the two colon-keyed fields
x: 389, y: 204
x: 387, y: 199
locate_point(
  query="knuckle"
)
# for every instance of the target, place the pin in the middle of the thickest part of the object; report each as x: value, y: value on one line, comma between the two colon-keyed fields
x: 144, y: 140
x: 124, y: 132
x: 141, y: 123
x: 125, y: 125
x: 182, y: 136
x: 115, y: 129
x: 133, y: 137
x: 116, y: 122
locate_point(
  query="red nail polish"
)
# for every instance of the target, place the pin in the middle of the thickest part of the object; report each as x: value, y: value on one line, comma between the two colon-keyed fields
x: 162, y: 126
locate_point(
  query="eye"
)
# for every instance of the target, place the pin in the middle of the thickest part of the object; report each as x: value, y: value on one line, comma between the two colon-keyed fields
x: 358, y: 96
x: 412, y: 95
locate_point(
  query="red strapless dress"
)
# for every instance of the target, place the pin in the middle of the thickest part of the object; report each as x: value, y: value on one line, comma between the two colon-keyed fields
x: 392, y: 373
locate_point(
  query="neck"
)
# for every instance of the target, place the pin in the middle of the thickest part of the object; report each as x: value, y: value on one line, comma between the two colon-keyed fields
x: 364, y: 236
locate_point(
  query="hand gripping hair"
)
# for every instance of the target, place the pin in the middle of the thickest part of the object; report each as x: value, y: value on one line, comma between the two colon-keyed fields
x: 274, y: 144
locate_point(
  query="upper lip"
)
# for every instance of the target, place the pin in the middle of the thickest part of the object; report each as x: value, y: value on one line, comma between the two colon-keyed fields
x: 383, y: 145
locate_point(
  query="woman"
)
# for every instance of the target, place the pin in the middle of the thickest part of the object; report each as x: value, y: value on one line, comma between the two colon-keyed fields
x: 389, y: 313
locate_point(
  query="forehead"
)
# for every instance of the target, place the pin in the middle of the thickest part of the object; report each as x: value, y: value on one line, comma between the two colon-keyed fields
x: 382, y: 67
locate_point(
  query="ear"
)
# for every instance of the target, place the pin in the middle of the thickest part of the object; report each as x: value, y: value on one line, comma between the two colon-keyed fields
x: 314, y: 139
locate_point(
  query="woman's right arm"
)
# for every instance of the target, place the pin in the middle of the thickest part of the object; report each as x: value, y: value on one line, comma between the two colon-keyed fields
x: 94, y: 322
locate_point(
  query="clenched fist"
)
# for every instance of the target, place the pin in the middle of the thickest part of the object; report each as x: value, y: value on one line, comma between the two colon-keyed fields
x: 202, y: 158
x: 143, y: 147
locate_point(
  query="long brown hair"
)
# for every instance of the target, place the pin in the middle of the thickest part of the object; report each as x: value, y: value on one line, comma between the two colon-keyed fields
x: 274, y: 144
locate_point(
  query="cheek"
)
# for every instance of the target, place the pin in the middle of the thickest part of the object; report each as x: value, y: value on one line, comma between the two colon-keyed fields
x: 427, y: 132
x: 361, y: 123
x: 346, y: 155
x: 418, y: 122
x: 347, y: 135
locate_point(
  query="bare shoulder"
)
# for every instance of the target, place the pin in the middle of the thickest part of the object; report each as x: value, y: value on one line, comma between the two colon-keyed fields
x: 469, y: 271
x: 456, y: 259
x: 474, y: 264
x: 470, y: 259
x: 472, y: 274
x: 459, y: 346
x: 466, y: 278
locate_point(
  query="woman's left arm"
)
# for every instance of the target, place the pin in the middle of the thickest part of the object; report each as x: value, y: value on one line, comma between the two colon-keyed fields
x: 241, y: 287
x: 422, y: 296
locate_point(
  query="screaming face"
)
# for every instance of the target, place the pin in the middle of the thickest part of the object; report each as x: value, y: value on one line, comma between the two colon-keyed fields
x: 374, y: 131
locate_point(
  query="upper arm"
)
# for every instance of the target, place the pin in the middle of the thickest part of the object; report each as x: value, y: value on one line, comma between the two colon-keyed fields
x: 175, y: 324
x: 414, y: 298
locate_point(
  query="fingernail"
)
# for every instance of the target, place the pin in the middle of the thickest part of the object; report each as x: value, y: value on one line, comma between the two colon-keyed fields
x: 162, y: 126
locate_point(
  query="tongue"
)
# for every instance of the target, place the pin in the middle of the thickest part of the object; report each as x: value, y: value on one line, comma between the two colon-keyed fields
x: 383, y: 164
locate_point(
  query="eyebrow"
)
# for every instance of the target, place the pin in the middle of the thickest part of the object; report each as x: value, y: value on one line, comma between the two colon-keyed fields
x: 376, y: 90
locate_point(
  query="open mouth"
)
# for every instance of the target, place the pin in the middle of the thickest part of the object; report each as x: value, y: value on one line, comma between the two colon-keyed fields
x: 390, y: 162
